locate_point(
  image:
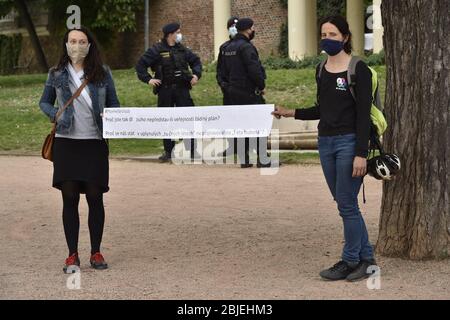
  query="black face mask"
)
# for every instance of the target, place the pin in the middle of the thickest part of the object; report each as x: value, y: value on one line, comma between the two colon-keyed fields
x: 252, y: 35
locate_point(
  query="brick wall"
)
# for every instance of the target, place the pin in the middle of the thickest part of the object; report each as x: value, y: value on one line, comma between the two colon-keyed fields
x: 195, y: 17
x: 197, y: 26
x: 269, y: 16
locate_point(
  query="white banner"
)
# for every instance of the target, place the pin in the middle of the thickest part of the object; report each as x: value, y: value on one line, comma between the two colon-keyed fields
x: 188, y: 122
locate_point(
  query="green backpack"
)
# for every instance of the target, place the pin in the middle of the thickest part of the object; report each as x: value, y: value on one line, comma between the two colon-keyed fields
x: 376, y: 112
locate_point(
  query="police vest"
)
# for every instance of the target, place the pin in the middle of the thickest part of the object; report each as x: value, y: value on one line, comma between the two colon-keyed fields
x: 173, y: 67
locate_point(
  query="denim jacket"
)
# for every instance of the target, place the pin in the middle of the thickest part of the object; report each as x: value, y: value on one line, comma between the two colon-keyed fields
x: 103, y: 95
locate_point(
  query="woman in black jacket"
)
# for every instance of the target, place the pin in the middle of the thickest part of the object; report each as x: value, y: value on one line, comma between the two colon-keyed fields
x: 343, y: 141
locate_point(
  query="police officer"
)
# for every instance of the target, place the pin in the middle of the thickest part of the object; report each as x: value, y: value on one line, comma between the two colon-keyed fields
x: 246, y: 83
x: 222, y: 80
x: 172, y: 81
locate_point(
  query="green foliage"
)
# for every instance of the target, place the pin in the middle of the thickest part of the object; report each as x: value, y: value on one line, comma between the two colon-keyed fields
x: 5, y: 7
x: 376, y: 59
x: 117, y: 15
x: 276, y: 63
x: 102, y: 17
x: 283, y: 46
x: 10, y: 47
x: 327, y: 8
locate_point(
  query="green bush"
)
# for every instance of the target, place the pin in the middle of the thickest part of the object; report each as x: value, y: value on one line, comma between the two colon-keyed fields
x: 277, y: 63
x: 376, y: 59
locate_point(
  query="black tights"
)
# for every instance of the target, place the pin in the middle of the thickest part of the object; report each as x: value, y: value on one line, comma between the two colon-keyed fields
x: 71, y: 197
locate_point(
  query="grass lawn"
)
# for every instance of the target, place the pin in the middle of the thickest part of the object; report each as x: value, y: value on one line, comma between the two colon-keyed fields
x: 23, y: 126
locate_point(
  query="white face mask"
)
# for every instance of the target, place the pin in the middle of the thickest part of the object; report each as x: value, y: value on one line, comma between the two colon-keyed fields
x: 179, y: 38
x: 232, y: 31
x: 76, y: 52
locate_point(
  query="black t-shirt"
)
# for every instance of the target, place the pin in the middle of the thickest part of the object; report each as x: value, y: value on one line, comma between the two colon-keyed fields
x: 338, y: 112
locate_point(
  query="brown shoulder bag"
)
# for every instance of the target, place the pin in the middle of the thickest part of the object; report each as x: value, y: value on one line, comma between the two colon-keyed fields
x: 47, y: 147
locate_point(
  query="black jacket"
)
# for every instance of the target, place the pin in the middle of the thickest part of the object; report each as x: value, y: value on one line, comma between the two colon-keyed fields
x: 221, y: 78
x: 154, y: 58
x: 241, y: 65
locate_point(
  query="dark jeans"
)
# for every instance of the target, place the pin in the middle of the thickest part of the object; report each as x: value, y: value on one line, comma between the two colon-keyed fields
x: 336, y: 156
x: 176, y: 96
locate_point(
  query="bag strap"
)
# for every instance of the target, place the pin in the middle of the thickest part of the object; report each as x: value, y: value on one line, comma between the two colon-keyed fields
x: 377, y: 98
x: 351, y: 75
x: 75, y: 95
x: 374, y: 143
x: 319, y: 70
x: 364, y: 191
x: 321, y: 65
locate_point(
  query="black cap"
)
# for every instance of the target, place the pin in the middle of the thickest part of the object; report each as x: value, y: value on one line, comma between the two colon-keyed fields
x: 232, y: 21
x: 244, y: 24
x: 170, y: 28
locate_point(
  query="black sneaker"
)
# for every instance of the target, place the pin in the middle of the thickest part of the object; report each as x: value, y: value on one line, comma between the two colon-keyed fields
x: 166, y: 157
x: 339, y: 271
x: 361, y: 271
x: 246, y: 165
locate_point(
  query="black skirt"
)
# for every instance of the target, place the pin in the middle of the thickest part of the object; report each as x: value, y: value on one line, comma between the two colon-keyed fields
x: 81, y: 160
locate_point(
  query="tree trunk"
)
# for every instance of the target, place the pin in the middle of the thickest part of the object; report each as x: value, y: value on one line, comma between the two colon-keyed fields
x: 23, y: 12
x: 415, y: 213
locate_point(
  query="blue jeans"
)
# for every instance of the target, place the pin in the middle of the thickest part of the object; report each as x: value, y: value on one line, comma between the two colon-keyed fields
x: 336, y: 156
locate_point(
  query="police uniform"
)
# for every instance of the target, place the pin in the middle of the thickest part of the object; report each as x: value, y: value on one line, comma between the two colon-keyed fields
x: 171, y: 65
x: 221, y: 78
x: 223, y: 82
x: 246, y: 80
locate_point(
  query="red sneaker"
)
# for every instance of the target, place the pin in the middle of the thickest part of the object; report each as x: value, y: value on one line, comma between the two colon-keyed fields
x: 98, y: 262
x: 71, y: 261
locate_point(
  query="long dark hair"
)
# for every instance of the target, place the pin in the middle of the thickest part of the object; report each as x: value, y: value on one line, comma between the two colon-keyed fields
x: 343, y: 27
x: 93, y: 65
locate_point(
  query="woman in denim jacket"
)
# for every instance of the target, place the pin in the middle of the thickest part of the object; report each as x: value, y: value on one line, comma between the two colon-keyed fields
x: 80, y: 154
